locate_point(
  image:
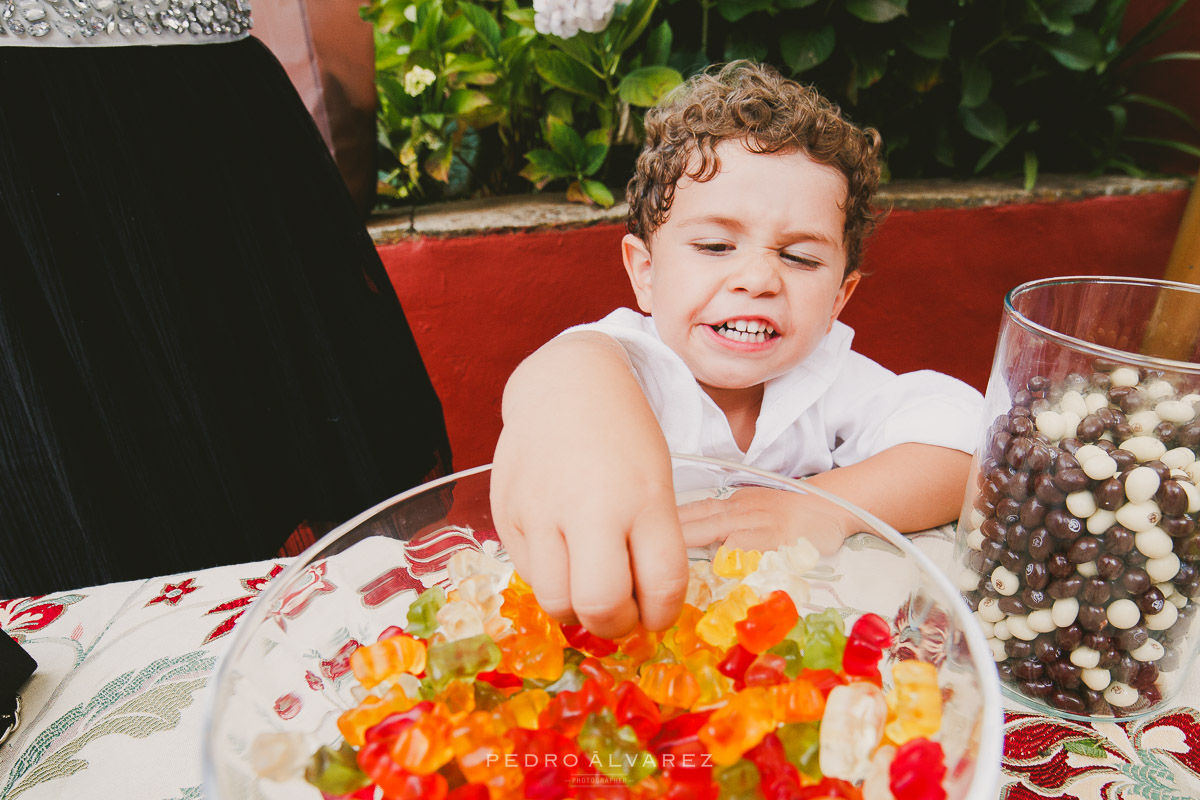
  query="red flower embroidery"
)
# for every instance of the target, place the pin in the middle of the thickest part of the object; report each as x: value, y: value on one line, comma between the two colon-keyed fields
x: 338, y: 664
x: 253, y: 587
x: 314, y: 681
x: 24, y: 615
x: 172, y: 593
x: 288, y: 705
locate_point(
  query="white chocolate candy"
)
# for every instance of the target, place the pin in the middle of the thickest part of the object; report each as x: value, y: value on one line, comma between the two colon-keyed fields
x: 1064, y: 611
x: 1088, y: 452
x: 1005, y: 582
x: 1124, y: 376
x: 998, y: 652
x: 1179, y: 458
x: 975, y: 539
x: 1140, y: 484
x: 1070, y: 424
x: 1193, y: 471
x: 1193, y: 496
x: 967, y: 580
x: 1083, y: 504
x: 1159, y: 389
x: 1177, y: 600
x: 1000, y: 630
x: 1120, y: 695
x: 1041, y: 621
x: 1099, y: 468
x: 1073, y: 403
x: 1176, y: 411
x: 988, y: 628
x: 976, y: 518
x: 1162, y: 569
x: 1101, y: 521
x: 1152, y: 650
x: 1087, y: 569
x: 1153, y: 543
x: 1123, y: 613
x: 1139, y: 516
x: 1144, y: 422
x: 1144, y: 448
x: 989, y: 609
x: 1192, y: 398
x: 1050, y: 424
x: 1085, y: 657
x: 1096, y: 678
x: 1163, y: 619
x: 1018, y: 626
x: 1095, y: 401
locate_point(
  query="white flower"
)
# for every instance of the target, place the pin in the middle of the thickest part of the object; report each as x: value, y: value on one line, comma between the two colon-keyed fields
x: 565, y: 18
x: 417, y: 79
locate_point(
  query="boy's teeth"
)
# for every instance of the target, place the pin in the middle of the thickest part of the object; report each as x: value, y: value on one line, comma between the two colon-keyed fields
x: 743, y: 331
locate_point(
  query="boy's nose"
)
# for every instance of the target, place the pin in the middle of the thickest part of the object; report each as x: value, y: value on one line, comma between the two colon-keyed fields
x: 757, y: 274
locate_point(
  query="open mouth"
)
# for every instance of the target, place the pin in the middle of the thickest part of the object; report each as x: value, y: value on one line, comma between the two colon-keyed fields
x: 745, y: 330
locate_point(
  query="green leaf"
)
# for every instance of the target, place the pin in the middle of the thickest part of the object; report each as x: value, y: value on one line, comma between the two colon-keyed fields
x: 987, y: 157
x: 484, y: 24
x: 1085, y: 747
x: 566, y: 142
x: 1054, y: 17
x: 1182, y: 55
x: 1162, y: 105
x: 647, y: 85
x: 657, y: 49
x: 521, y: 16
x: 593, y: 158
x: 733, y: 10
x: 976, y: 83
x: 598, y: 193
x: 803, y: 50
x: 869, y: 66
x: 987, y: 122
x: 740, y: 45
x: 559, y: 106
x: 464, y: 101
x: 1170, y: 144
x: 877, y: 10
x: 637, y: 17
x: 437, y: 165
x: 1031, y: 170
x: 786, y: 4
x: 457, y: 63
x: 1080, y: 50
x: 545, y: 166
x: 928, y: 38
x: 597, y: 136
x: 559, y: 69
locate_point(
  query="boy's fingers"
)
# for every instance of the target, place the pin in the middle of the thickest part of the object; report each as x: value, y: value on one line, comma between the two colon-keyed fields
x: 703, y: 530
x: 699, y: 509
x: 547, y: 573
x: 660, y: 566
x: 601, y: 585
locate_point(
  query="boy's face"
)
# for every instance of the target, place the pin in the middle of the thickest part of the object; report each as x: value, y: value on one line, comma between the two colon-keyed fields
x: 756, y: 249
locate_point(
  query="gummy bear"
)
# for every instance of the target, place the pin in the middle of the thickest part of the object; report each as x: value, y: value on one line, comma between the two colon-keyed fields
x: 767, y: 669
x: 738, y: 725
x: 851, y: 730
x: 461, y: 660
x: 797, y: 701
x: 738, y: 781
x: 680, y: 753
x: 801, y: 742
x: 915, y: 703
x: 825, y: 640
x: 637, y: 710
x: 767, y: 623
x: 395, y: 655
x: 335, y: 772
x: 716, y: 627
x: 422, y: 614
x: 613, y: 749
x: 669, y: 685
x: 730, y: 562
x: 917, y: 770
x: 869, y: 637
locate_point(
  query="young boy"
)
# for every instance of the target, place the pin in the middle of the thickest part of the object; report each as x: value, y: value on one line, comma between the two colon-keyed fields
x: 747, y: 214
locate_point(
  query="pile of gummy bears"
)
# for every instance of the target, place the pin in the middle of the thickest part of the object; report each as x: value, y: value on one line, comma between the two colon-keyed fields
x: 483, y: 696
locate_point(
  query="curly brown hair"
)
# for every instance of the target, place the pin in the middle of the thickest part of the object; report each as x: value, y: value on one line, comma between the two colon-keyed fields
x: 754, y: 104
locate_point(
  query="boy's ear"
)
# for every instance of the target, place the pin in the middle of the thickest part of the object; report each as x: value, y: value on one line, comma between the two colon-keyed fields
x: 636, y: 255
x: 849, y: 284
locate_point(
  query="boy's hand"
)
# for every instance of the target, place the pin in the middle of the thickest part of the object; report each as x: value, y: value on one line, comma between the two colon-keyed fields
x: 758, y: 518
x: 582, y: 495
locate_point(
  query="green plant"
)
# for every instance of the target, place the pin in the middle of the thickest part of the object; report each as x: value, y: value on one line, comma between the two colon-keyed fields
x: 957, y: 87
x: 476, y: 100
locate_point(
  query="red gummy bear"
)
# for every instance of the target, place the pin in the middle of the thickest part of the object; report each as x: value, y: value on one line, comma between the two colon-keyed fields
x: 767, y: 623
x: 869, y: 637
x: 917, y: 770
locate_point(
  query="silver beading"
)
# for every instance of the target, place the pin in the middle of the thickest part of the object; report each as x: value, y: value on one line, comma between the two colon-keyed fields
x: 111, y: 22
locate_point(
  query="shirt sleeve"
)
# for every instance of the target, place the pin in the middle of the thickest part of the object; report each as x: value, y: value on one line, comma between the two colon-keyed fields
x: 668, y: 385
x: 870, y: 409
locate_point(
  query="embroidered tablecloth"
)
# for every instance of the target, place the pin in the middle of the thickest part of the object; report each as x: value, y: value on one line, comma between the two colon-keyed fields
x: 118, y: 705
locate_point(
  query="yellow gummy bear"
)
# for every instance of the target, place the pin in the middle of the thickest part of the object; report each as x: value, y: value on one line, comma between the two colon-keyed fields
x: 729, y: 562
x: 915, y: 704
x: 716, y: 626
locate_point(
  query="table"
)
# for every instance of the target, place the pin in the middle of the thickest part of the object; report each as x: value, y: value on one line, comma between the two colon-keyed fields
x: 126, y: 672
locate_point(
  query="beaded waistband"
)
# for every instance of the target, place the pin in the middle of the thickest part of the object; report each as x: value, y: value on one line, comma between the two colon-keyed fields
x: 66, y: 23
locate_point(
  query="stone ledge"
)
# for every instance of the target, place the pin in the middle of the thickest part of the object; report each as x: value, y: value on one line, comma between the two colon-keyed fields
x: 552, y: 211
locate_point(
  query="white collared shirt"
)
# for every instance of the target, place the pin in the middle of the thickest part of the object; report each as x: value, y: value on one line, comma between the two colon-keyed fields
x: 834, y: 409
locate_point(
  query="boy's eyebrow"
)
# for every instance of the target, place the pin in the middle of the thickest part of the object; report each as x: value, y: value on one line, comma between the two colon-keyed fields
x: 732, y: 223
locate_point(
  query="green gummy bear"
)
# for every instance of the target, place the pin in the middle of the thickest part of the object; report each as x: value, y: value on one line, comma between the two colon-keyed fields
x: 615, y: 751
x: 460, y: 660
x: 802, y: 744
x: 826, y: 641
x: 422, y: 614
x: 335, y: 772
x: 738, y: 781
x: 793, y: 662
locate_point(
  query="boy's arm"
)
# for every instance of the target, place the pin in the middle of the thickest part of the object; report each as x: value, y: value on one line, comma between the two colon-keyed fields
x: 582, y: 495
x: 911, y: 486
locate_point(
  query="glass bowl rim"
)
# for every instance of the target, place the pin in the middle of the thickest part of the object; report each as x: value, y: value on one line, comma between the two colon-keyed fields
x: 984, y: 783
x: 1090, y: 348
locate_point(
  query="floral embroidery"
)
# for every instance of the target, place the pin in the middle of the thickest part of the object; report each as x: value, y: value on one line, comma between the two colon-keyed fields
x: 307, y: 585
x: 22, y: 616
x: 288, y: 705
x: 314, y: 681
x: 338, y: 664
x: 172, y: 593
x: 253, y: 587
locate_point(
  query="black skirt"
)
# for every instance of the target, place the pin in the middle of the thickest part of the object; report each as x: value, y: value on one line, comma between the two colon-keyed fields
x: 199, y: 347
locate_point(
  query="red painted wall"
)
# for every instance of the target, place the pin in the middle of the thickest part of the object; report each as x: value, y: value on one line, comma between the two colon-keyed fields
x: 478, y: 305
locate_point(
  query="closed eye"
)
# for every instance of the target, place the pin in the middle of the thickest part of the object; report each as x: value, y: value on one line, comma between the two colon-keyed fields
x: 800, y: 260
x: 715, y: 248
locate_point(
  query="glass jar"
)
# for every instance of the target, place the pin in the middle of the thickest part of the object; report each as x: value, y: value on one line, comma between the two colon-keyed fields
x: 1077, y: 545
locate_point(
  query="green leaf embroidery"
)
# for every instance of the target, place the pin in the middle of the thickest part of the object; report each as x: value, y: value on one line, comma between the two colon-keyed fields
x: 1085, y: 747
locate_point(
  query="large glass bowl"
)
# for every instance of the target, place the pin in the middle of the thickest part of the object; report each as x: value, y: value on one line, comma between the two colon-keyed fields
x: 287, y: 667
